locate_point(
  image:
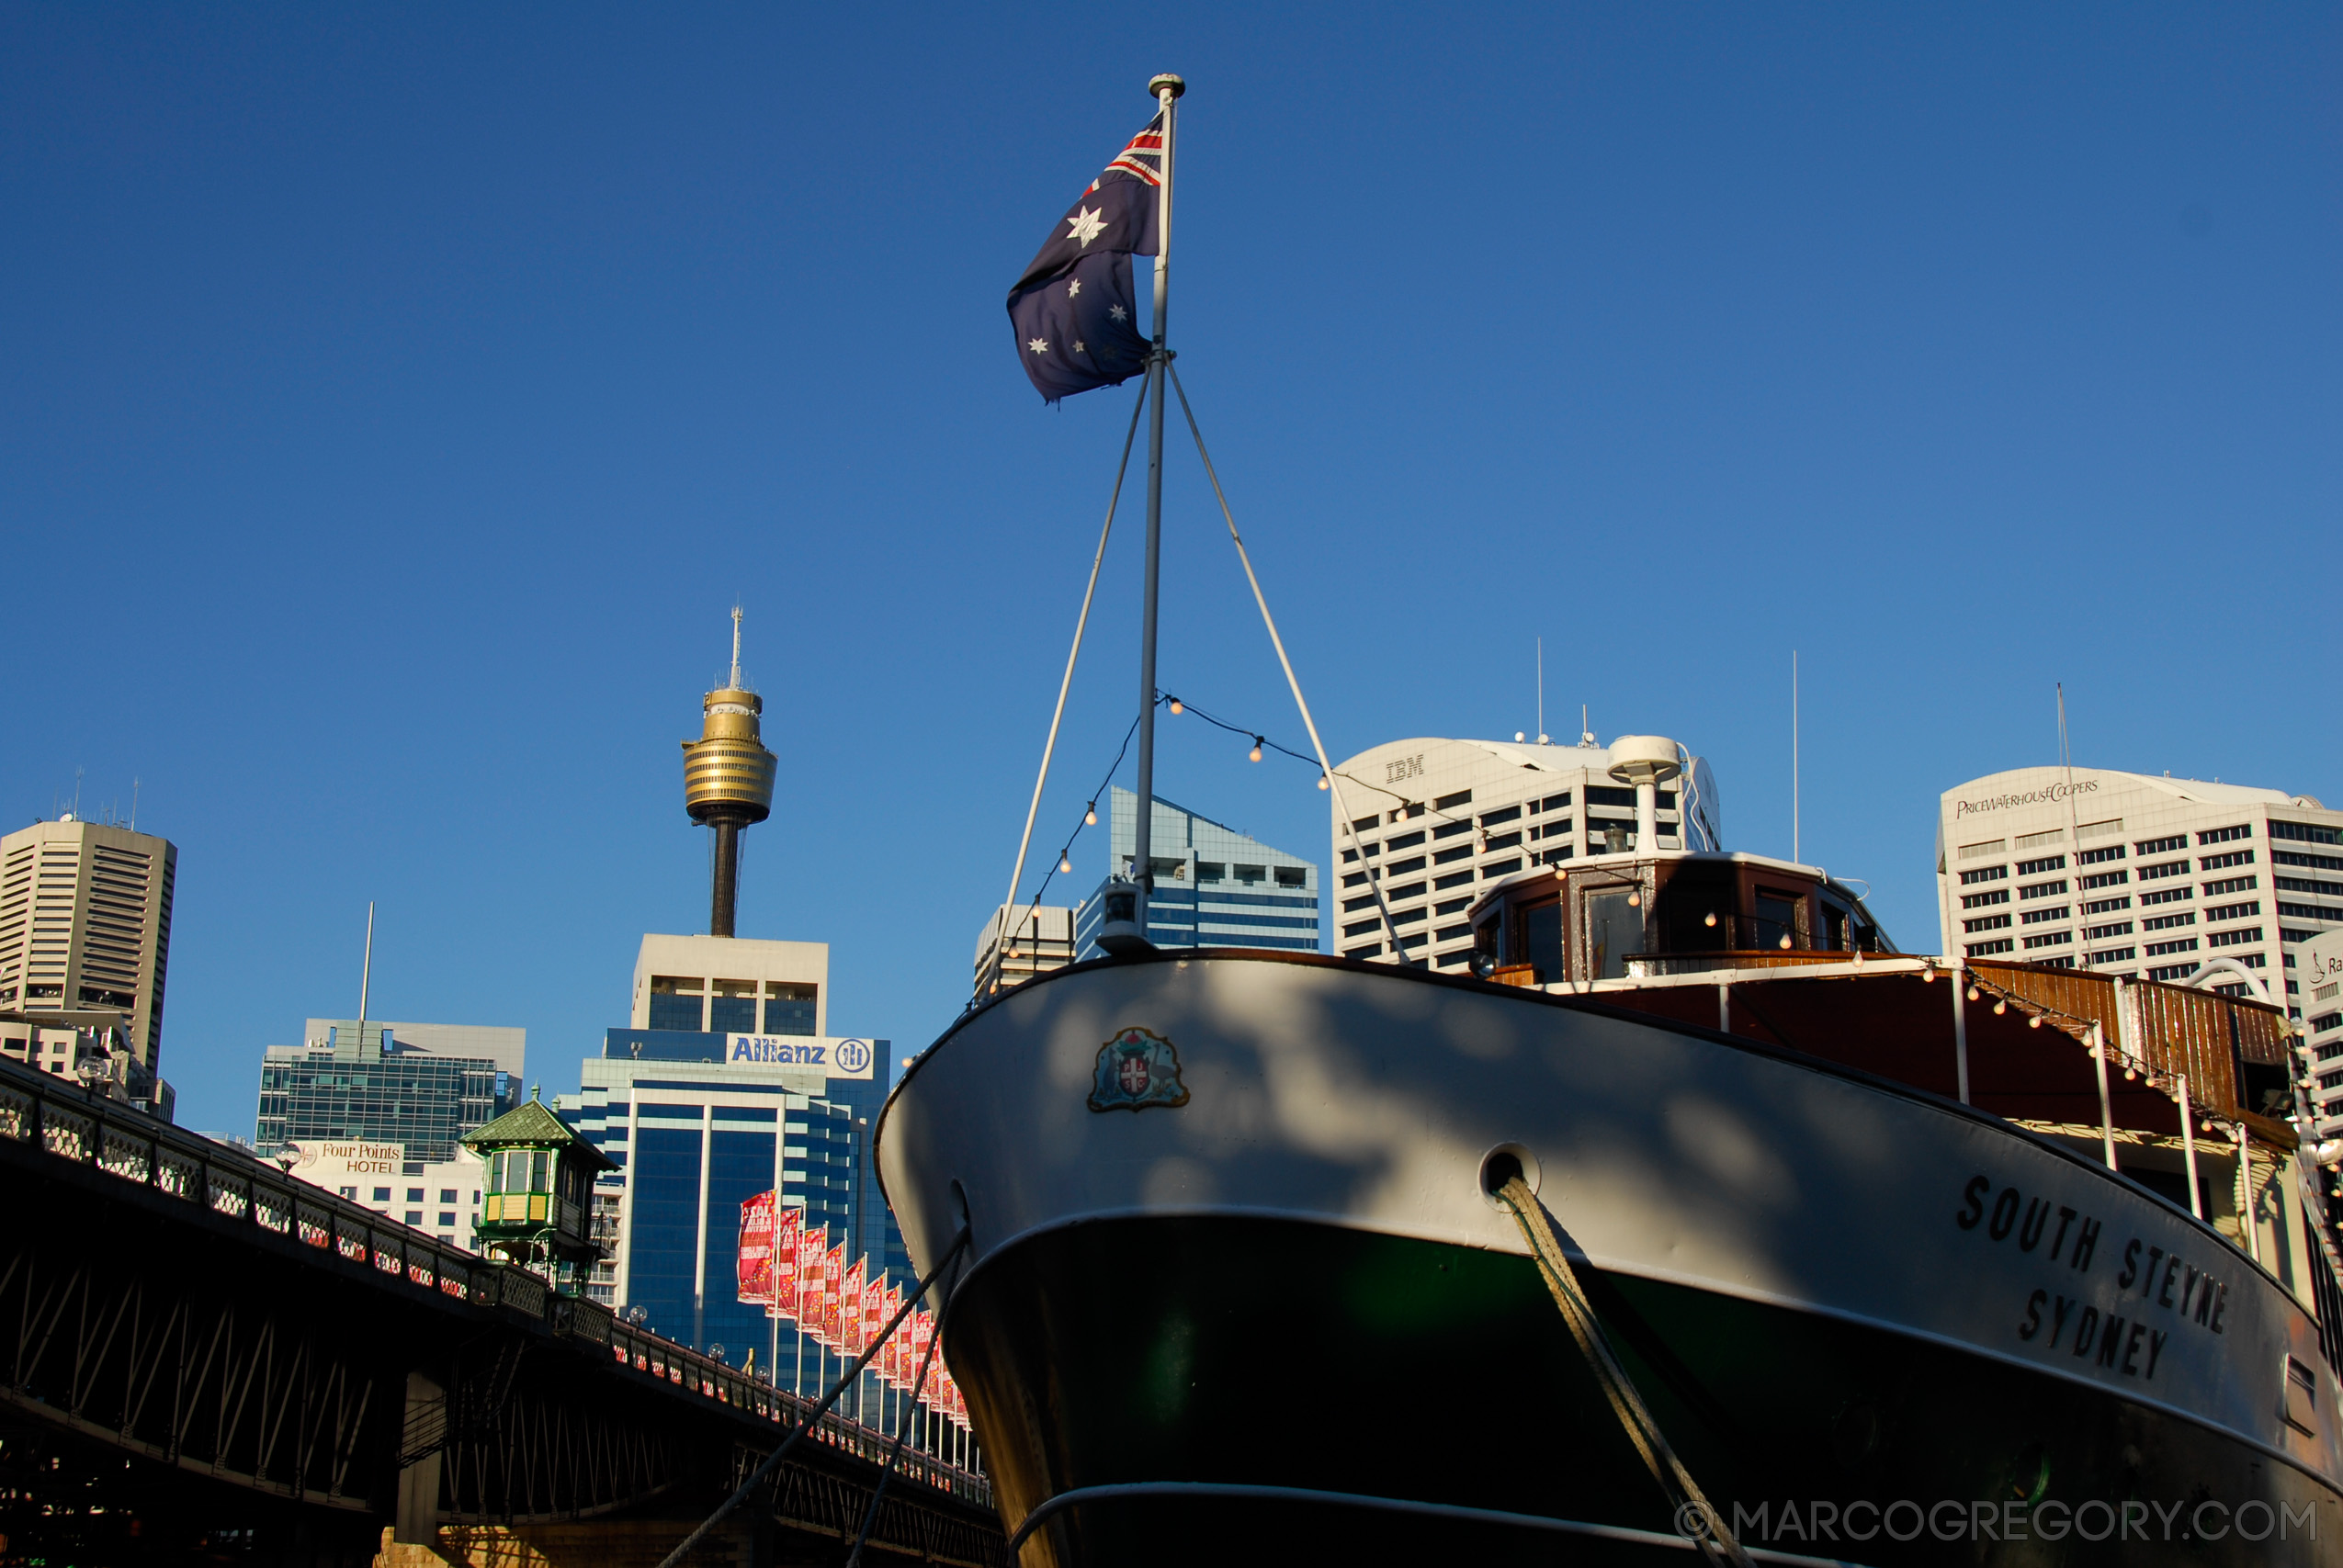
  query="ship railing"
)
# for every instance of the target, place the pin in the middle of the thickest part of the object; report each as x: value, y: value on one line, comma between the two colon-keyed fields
x: 40, y: 1111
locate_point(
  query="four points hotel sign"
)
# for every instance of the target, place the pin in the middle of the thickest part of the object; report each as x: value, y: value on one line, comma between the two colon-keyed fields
x: 831, y: 1058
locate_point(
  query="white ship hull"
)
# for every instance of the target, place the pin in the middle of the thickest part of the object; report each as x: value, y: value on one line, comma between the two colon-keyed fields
x: 1831, y: 1288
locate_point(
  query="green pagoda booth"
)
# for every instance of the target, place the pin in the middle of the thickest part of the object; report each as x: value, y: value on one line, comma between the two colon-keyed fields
x: 539, y: 1206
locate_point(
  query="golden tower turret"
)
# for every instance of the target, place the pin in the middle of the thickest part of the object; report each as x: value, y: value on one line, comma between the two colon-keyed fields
x: 728, y: 780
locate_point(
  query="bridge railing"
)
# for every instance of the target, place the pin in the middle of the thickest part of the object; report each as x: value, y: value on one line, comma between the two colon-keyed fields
x: 72, y: 1123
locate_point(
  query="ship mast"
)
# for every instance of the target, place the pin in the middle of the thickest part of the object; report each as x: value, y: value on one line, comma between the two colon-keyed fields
x: 1166, y: 89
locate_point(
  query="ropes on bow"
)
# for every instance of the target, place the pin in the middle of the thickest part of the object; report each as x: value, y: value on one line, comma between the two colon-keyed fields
x: 1691, y: 1506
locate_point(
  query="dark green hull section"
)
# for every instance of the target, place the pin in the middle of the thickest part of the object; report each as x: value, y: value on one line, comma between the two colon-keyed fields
x: 1275, y: 1352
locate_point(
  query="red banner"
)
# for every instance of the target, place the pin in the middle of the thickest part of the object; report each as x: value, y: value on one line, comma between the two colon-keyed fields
x: 875, y: 1313
x: 813, y: 1243
x: 890, y: 1360
x: 755, y: 1266
x: 921, y: 1328
x: 834, y: 1276
x: 782, y: 1301
x: 850, y: 1310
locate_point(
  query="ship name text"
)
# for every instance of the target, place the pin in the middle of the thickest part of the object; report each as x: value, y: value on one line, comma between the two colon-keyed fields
x: 2156, y: 1292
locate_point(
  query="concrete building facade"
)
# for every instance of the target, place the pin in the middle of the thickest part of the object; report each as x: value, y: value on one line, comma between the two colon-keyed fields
x: 85, y: 923
x: 1434, y: 819
x: 725, y: 984
x: 2133, y: 874
x: 1214, y: 886
x: 439, y: 1196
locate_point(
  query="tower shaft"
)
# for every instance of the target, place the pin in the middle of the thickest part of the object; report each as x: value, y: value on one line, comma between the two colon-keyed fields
x: 725, y: 886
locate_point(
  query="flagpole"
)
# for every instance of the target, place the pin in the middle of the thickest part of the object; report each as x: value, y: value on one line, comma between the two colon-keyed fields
x: 1167, y: 88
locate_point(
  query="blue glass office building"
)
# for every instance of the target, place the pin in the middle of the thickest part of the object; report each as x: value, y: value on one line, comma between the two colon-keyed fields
x: 694, y: 1136
x: 1214, y: 886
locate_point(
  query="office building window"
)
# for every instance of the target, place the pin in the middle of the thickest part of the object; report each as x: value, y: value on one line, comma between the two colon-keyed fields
x: 1988, y: 948
x: 2100, y: 933
x: 2036, y: 867
x: 414, y: 1217
x: 2051, y: 938
x: 2218, y: 863
x: 1985, y: 874
x: 2165, y: 922
x: 678, y: 1012
x: 2232, y: 885
x: 2107, y: 879
x: 2225, y: 835
x: 2042, y: 889
x: 1980, y: 900
x: 2097, y: 857
x: 383, y: 1194
x: 2168, y: 868
x: 732, y: 1009
x: 2168, y: 896
x: 2158, y: 846
x: 789, y: 1009
x: 2234, y: 911
x: 2238, y: 937
x: 1988, y: 923
x: 2107, y: 905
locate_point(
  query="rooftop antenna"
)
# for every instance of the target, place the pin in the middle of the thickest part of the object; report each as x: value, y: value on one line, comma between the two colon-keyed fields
x: 77, y: 794
x: 134, y: 804
x: 366, y: 973
x: 1585, y: 730
x: 1794, y: 857
x: 735, y: 682
x: 1541, y: 691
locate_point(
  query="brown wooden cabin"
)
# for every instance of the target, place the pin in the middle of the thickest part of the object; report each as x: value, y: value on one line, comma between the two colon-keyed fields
x: 1784, y: 954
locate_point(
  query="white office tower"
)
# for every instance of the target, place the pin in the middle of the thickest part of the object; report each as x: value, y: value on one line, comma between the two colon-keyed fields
x: 2127, y: 874
x: 1436, y: 819
x: 2318, y: 969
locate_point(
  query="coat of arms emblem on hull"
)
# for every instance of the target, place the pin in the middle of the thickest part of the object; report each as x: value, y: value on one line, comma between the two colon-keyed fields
x: 1136, y: 1069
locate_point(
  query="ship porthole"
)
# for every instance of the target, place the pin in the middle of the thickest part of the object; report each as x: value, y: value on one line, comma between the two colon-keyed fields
x: 1501, y: 1165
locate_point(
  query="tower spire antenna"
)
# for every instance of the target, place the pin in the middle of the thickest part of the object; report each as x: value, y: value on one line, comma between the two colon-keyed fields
x: 736, y: 647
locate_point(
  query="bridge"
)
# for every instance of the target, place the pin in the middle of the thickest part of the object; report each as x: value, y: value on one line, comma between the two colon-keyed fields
x: 207, y: 1360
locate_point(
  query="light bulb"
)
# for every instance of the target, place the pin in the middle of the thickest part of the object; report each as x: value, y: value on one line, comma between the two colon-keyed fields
x: 1176, y: 707
x: 2000, y: 1008
x: 1322, y: 783
x: 1065, y: 863
x: 1090, y: 815
x: 1973, y: 993
x: 1927, y: 973
x: 2131, y: 1075
x: 1635, y: 900
x: 1254, y: 755
x: 1785, y: 938
x: 2035, y: 1022
x: 1709, y: 919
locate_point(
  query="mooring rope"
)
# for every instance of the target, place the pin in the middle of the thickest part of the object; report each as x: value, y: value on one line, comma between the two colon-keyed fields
x: 1691, y: 1506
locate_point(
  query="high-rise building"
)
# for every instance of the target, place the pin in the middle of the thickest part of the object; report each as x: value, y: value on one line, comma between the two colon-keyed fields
x: 2129, y: 873
x: 698, y: 1121
x: 1434, y: 819
x: 1214, y: 886
x: 369, y: 1083
x: 1040, y: 938
x: 85, y: 923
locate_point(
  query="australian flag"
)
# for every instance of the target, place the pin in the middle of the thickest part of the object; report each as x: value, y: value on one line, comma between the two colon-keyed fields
x: 1072, y: 310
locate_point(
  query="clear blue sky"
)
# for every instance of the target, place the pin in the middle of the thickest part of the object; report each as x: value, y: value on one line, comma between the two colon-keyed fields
x: 395, y: 400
